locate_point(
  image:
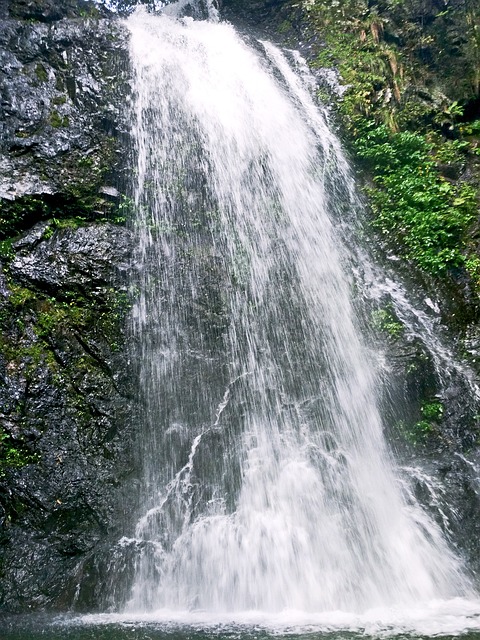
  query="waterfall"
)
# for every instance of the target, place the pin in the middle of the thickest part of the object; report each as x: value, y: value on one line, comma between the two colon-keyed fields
x: 267, y: 481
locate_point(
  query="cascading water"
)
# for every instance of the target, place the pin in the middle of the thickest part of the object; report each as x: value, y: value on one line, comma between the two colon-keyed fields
x: 268, y: 485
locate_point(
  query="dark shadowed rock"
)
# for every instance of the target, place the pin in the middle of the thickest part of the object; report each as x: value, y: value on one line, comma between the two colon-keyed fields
x: 64, y: 396
x: 49, y: 10
x: 62, y: 88
x: 74, y: 259
x: 65, y: 408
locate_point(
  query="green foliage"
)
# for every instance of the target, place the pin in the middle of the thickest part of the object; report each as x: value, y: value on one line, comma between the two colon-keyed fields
x: 470, y: 128
x: 384, y: 321
x: 432, y: 410
x: 397, y: 130
x: 441, y: 44
x: 417, y: 210
x: 125, y: 209
x: 420, y: 432
x: 452, y: 152
x: 472, y: 265
x: 448, y: 115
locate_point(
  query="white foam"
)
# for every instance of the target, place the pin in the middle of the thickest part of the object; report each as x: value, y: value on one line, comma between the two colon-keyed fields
x: 434, y: 618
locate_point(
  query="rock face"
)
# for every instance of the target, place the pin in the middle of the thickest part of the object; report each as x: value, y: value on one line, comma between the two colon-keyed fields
x: 64, y: 407
x: 60, y: 84
x: 65, y: 413
x: 47, y: 10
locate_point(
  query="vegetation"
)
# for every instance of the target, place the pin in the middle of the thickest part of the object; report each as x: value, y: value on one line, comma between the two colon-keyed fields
x: 383, y: 320
x: 34, y: 331
x: 420, y: 212
x: 57, y: 121
x: 420, y: 432
x: 14, y: 453
x: 405, y: 131
x: 75, y: 208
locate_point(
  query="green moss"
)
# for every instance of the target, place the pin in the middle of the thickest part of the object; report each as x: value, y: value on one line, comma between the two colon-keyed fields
x: 57, y: 121
x: 22, y: 134
x: 45, y: 335
x: 57, y: 315
x: 16, y: 215
x: 20, y: 296
x: 59, y: 100
x: 14, y: 454
x: 6, y: 250
x: 285, y: 27
x: 41, y: 73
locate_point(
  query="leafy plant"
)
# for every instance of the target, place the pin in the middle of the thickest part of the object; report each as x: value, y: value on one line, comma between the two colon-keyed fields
x: 396, y: 133
x: 383, y: 320
x: 416, y: 209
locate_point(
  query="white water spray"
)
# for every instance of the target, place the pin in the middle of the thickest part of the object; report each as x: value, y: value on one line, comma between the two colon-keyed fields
x: 268, y: 485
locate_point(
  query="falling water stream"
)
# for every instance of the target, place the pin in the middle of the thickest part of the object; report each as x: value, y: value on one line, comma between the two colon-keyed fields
x: 268, y: 485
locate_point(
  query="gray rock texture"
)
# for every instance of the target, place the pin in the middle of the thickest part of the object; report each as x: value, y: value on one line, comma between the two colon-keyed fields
x: 62, y: 91
x: 65, y: 408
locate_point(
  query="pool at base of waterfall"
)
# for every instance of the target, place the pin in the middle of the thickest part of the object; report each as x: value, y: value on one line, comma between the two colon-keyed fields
x: 458, y: 617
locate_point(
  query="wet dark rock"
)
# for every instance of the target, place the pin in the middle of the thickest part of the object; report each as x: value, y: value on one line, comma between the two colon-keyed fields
x: 49, y: 10
x: 64, y: 398
x: 76, y: 259
x: 264, y: 16
x: 63, y: 89
x: 65, y: 407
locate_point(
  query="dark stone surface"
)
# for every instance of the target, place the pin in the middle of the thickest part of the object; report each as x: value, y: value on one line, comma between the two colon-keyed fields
x: 49, y: 10
x: 65, y: 407
x: 64, y: 396
x: 78, y: 260
x: 62, y: 88
x: 258, y: 14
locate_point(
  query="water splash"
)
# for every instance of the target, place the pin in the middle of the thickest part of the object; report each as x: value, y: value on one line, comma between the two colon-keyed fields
x: 268, y: 485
